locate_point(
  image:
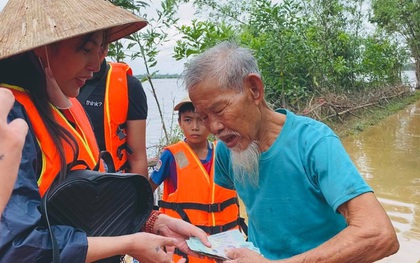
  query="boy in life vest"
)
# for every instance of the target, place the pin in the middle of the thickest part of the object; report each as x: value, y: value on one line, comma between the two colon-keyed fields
x: 186, y: 170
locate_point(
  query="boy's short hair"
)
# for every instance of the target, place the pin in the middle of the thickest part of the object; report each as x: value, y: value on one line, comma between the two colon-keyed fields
x: 185, y: 107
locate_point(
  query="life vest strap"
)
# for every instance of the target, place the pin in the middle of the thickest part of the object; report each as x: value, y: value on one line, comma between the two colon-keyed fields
x: 124, y: 168
x: 211, y: 230
x: 210, y: 208
x: 121, y: 148
x: 182, y: 254
x: 121, y: 131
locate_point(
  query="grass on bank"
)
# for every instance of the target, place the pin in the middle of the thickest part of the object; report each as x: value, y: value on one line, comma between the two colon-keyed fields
x: 369, y: 117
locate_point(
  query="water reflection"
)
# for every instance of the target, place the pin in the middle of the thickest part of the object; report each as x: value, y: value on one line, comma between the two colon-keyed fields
x: 388, y: 156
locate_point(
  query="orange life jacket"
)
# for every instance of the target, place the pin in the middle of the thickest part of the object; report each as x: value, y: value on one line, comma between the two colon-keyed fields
x: 82, y: 132
x: 197, y: 199
x: 115, y: 114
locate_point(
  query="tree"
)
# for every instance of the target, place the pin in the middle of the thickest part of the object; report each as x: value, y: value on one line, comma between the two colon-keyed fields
x: 401, y: 17
x: 304, y: 48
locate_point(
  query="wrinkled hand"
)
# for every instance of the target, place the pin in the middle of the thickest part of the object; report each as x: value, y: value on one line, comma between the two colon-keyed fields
x: 180, y: 231
x: 244, y: 255
x: 149, y: 248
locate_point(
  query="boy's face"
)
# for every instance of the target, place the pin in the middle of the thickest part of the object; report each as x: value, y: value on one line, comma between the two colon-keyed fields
x: 193, y: 128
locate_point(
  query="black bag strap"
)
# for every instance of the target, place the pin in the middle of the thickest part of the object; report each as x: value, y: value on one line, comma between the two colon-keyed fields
x: 55, y: 249
x: 85, y: 93
x: 109, y: 162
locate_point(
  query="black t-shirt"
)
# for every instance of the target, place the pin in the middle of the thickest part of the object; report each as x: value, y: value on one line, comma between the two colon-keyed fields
x: 94, y: 104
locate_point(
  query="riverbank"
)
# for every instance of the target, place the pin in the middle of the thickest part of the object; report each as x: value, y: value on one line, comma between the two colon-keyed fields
x: 364, y: 118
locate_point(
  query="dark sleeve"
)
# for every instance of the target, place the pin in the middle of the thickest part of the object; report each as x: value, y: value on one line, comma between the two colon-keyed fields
x: 24, y: 236
x: 137, y: 108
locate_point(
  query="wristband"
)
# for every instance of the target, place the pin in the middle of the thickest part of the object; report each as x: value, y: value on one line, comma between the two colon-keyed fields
x: 150, y: 223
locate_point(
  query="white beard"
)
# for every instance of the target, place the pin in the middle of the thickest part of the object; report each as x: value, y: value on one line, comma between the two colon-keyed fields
x: 245, y: 164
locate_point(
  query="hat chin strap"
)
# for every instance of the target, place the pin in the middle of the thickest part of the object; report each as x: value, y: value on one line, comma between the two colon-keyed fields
x: 55, y: 95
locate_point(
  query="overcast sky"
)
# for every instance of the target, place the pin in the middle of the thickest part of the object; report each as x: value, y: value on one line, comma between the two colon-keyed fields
x: 166, y: 64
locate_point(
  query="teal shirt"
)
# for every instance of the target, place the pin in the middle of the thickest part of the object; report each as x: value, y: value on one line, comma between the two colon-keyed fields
x: 303, y: 178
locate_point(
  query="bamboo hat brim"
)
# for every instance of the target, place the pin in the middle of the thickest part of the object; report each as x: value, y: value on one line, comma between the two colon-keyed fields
x: 28, y: 24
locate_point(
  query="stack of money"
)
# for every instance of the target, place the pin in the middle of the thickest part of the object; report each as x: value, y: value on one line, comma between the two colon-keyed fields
x: 220, y: 242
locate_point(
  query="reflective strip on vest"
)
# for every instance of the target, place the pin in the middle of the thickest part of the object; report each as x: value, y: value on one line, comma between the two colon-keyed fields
x: 82, y: 132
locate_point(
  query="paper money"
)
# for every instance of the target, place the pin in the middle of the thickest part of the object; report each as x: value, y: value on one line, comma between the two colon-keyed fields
x: 220, y: 242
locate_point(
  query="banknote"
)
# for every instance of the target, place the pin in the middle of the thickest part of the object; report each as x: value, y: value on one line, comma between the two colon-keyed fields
x: 220, y: 242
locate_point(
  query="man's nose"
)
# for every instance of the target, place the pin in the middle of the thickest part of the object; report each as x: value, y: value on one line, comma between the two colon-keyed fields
x: 214, y: 125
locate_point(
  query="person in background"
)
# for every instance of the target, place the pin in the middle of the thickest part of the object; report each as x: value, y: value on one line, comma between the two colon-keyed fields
x: 187, y: 168
x: 305, y: 199
x: 51, y: 49
x: 117, y: 106
x: 12, y: 138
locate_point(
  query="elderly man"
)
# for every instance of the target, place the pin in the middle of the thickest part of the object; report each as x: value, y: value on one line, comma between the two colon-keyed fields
x: 305, y: 199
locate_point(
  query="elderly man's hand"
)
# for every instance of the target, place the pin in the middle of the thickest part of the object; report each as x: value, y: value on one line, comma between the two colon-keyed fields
x: 244, y: 255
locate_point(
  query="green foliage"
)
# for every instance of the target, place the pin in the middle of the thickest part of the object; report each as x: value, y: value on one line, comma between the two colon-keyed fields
x: 200, y: 36
x: 382, y: 61
x: 303, y: 48
x: 402, y: 18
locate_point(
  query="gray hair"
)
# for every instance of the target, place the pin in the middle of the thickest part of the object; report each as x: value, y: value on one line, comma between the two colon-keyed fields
x: 226, y: 62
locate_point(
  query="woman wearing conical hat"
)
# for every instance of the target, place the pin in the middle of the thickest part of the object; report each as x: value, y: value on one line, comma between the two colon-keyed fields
x: 48, y: 49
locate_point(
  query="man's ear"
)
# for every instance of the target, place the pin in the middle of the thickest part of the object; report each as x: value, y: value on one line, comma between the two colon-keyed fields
x: 255, y: 86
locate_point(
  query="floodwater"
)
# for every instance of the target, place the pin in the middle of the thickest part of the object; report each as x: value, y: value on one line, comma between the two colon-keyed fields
x: 388, y: 156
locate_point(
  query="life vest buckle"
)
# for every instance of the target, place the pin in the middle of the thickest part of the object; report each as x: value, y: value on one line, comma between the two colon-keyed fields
x: 214, y: 208
x: 120, y: 149
x: 121, y: 134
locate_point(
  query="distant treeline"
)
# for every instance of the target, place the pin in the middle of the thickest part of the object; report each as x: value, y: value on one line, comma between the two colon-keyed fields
x: 159, y: 76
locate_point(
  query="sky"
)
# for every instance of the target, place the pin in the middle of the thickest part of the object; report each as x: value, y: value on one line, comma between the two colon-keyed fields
x: 166, y: 64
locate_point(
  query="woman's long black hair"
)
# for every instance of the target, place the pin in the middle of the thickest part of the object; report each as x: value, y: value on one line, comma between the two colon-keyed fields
x: 25, y: 70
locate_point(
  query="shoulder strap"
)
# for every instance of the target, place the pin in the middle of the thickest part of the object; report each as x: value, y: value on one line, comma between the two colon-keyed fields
x: 85, y: 93
x: 55, y: 248
x: 109, y: 162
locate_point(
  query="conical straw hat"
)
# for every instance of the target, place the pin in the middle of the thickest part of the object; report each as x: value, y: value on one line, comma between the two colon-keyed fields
x: 27, y: 24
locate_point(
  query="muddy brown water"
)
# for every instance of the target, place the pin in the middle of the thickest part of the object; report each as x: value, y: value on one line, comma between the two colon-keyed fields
x: 388, y: 157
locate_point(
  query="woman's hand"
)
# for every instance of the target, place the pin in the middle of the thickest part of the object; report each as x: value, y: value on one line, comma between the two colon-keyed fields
x: 145, y: 247
x: 180, y: 231
x: 151, y: 248
x: 12, y: 139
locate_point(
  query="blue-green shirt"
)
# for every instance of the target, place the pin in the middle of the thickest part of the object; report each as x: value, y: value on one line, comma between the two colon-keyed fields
x: 303, y: 178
